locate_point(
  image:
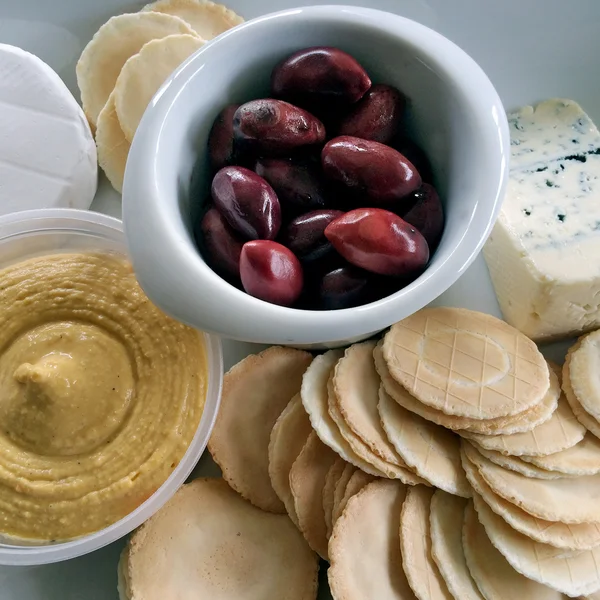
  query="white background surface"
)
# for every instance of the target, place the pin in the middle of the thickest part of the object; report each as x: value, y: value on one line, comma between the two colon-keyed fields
x: 531, y: 49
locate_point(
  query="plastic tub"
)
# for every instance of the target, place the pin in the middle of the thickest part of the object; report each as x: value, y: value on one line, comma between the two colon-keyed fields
x: 37, y: 232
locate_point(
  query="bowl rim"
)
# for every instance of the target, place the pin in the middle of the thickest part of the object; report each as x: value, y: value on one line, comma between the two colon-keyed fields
x: 253, y: 320
x: 84, y: 222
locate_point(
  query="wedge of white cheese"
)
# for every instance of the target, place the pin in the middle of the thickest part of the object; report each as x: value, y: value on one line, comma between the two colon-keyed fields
x: 544, y: 252
x: 47, y: 151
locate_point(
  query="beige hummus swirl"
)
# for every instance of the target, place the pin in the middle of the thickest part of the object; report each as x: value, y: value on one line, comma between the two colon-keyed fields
x: 100, y: 395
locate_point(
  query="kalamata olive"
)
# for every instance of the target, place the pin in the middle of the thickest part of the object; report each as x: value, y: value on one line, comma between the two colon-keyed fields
x: 275, y: 127
x: 271, y: 272
x: 426, y: 214
x: 320, y: 71
x: 343, y: 288
x: 247, y: 202
x: 416, y: 156
x: 379, y: 241
x: 221, y: 245
x: 376, y: 116
x: 305, y: 236
x: 220, y: 139
x: 296, y: 183
x: 381, y: 173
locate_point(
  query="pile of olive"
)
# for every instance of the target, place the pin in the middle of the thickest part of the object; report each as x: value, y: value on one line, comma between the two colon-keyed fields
x: 318, y: 200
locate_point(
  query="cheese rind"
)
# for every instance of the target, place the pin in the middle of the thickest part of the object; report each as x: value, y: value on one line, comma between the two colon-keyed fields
x: 47, y: 152
x: 544, y: 252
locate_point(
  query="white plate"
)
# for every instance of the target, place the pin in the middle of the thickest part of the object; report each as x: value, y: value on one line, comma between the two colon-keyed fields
x: 531, y: 49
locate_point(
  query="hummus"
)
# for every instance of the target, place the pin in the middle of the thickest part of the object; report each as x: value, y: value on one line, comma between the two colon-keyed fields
x: 100, y: 395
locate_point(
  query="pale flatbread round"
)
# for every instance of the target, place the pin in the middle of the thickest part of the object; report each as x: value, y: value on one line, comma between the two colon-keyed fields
x: 570, y: 573
x: 570, y: 500
x: 494, y: 576
x: 466, y: 363
x: 560, y: 432
x: 581, y: 459
x: 307, y: 480
x: 356, y: 384
x: 144, y: 73
x: 430, y: 450
x: 315, y: 398
x: 568, y: 537
x: 378, y: 466
x: 421, y: 571
x: 208, y: 542
x: 446, y: 521
x: 584, y: 373
x: 333, y: 476
x: 289, y: 434
x: 340, y: 490
x: 206, y: 18
x: 111, y: 145
x: 518, y: 465
x: 357, y: 482
x: 117, y: 40
x: 255, y: 392
x: 522, y: 422
x: 364, y: 548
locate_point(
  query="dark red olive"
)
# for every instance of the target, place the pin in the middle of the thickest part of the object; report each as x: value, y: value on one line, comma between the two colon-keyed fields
x: 220, y: 139
x: 275, y: 127
x: 320, y: 71
x: 222, y: 246
x: 376, y: 116
x: 381, y: 173
x: 379, y: 241
x: 247, y: 202
x: 271, y: 272
x: 426, y: 214
x: 305, y: 236
x: 416, y: 156
x: 343, y: 288
x: 296, y: 183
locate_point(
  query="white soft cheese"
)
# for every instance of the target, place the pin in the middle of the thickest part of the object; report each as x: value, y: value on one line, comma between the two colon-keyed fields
x: 47, y: 151
x: 544, y: 252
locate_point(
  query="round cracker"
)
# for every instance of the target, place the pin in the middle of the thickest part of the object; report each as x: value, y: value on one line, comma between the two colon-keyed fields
x: 333, y: 476
x: 210, y: 540
x: 288, y: 436
x: 570, y: 573
x: 518, y: 465
x: 581, y: 459
x: 522, y: 422
x: 357, y: 482
x: 255, y: 392
x: 364, y: 548
x: 315, y: 399
x: 584, y: 373
x: 569, y: 500
x: 307, y: 480
x: 356, y: 384
x: 446, y: 519
x: 144, y: 73
x: 378, y: 466
x: 568, y: 537
x: 206, y: 18
x: 116, y: 41
x: 111, y: 145
x: 430, y: 450
x: 466, y: 363
x: 492, y: 573
x: 340, y: 490
x: 421, y: 571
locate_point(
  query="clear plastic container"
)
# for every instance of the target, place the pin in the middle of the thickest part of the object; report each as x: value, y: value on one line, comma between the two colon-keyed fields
x: 37, y: 232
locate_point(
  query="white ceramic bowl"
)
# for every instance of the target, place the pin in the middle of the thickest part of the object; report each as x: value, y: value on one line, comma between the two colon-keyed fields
x: 456, y: 116
x: 48, y: 231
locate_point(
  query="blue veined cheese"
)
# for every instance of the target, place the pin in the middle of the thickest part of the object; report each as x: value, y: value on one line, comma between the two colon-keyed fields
x: 544, y: 252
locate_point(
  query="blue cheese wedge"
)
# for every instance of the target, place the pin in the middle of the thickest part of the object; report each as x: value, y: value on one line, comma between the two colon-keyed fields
x: 544, y: 252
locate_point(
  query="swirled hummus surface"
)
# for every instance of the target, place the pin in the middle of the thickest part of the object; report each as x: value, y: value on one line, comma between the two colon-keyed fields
x: 100, y: 395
